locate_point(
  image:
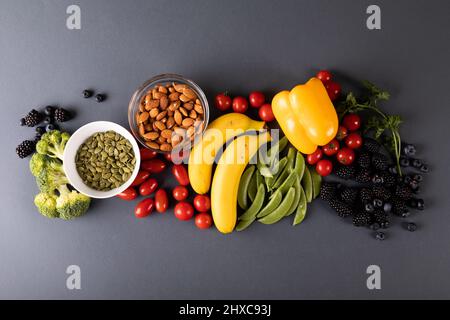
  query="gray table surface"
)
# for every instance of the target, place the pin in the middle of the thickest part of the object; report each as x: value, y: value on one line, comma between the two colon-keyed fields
x: 238, y: 46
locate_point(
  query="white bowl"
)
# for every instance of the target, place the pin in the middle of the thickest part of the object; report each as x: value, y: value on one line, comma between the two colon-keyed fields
x: 74, y: 143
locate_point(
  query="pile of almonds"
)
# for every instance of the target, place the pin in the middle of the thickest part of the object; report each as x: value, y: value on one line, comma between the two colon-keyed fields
x: 169, y: 114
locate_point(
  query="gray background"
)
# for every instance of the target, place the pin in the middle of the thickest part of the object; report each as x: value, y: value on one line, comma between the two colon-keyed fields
x: 222, y: 45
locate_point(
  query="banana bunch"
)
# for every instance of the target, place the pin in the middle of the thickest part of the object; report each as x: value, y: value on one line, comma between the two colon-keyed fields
x: 276, y: 188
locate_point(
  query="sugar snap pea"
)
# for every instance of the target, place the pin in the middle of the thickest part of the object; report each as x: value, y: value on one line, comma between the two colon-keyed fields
x: 252, y: 187
x: 316, y: 182
x: 256, y: 205
x: 276, y: 169
x: 259, y: 179
x: 282, y: 209
x: 299, y: 165
x: 271, y: 205
x: 307, y: 185
x: 244, y: 224
x: 243, y: 187
x: 275, y: 150
x: 288, y: 182
x: 296, y: 200
x: 301, y: 209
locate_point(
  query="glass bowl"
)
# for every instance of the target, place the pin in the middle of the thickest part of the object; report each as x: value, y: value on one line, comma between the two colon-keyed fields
x: 143, y: 90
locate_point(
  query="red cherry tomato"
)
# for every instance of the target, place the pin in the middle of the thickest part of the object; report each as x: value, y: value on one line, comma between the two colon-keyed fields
x: 324, y: 76
x: 180, y: 173
x: 324, y: 167
x: 161, y: 201
x: 202, y: 203
x: 177, y: 158
x: 168, y: 156
x: 147, y: 154
x: 354, y: 141
x: 342, y: 133
x: 203, y: 220
x: 240, y: 104
x: 333, y: 89
x: 352, y: 122
x: 345, y: 156
x: 128, y: 194
x: 315, y: 156
x: 148, y: 187
x: 183, y: 210
x: 144, y: 208
x: 223, y: 101
x: 140, y: 178
x: 266, y: 113
x: 180, y: 193
x: 331, y: 148
x: 256, y: 99
x: 153, y: 165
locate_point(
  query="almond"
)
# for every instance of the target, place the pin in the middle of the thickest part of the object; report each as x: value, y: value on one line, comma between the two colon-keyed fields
x: 161, y: 115
x: 197, y: 101
x: 142, y: 107
x: 189, y: 93
x: 179, y: 87
x: 165, y: 147
x: 154, y: 113
x: 190, y: 131
x: 178, y: 117
x: 174, y: 105
x: 171, y: 90
x: 141, y: 129
x: 183, y: 111
x: 179, y: 131
x: 176, y: 139
x: 164, y: 102
x: 188, y: 105
x: 151, y: 135
x: 162, y: 89
x: 170, y: 113
x: 152, y: 104
x: 148, y: 127
x: 147, y: 99
x: 174, y: 96
x: 167, y: 133
x: 161, y: 126
x: 198, y: 108
x: 143, y: 117
x: 184, y: 98
x: 187, y: 122
x: 193, y: 114
x: 157, y: 95
x: 170, y: 122
x: 152, y: 145
x: 161, y: 140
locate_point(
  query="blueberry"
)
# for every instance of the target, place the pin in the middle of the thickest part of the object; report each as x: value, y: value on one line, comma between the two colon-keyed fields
x: 48, y: 119
x: 409, y: 150
x: 417, y: 163
x: 375, y: 226
x: 407, y: 179
x: 418, y: 177
x: 100, y: 97
x: 404, y: 162
x: 405, y: 214
x: 387, y: 207
x: 22, y: 121
x: 50, y: 127
x: 377, y: 203
x: 49, y: 110
x: 87, y: 93
x: 424, y: 168
x: 420, y: 204
x: 380, y: 235
x: 40, y: 130
x: 369, y: 207
x: 411, y: 226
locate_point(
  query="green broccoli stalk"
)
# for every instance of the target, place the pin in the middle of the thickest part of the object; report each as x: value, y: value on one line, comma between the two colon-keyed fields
x: 40, y: 162
x: 46, y: 204
x: 50, y: 179
x: 71, y: 204
x: 53, y: 143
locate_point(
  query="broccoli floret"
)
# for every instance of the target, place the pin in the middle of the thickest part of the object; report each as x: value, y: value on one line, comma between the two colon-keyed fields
x: 53, y: 143
x: 40, y: 162
x: 46, y: 204
x: 71, y: 204
x: 49, y: 179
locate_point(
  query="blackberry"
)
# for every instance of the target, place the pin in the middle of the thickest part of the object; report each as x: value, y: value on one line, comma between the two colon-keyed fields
x: 389, y: 180
x: 342, y: 209
x: 371, y: 145
x: 399, y: 208
x: 380, y: 217
x: 380, y: 161
x: 33, y: 118
x: 369, y: 207
x: 377, y: 203
x: 377, y: 179
x: 345, y: 172
x: 363, y: 160
x: 361, y: 219
x: 61, y: 115
x: 381, y: 193
x: 26, y: 148
x: 403, y: 192
x: 365, y: 195
x: 349, y: 195
x: 328, y: 190
x: 374, y: 226
x: 363, y: 176
x: 387, y: 207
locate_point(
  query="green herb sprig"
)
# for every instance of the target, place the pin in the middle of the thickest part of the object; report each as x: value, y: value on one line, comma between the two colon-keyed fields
x: 380, y: 122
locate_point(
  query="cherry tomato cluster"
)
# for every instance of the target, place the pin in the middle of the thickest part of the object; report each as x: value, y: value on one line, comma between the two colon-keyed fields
x: 333, y: 88
x: 341, y: 147
x: 147, y: 186
x: 239, y: 104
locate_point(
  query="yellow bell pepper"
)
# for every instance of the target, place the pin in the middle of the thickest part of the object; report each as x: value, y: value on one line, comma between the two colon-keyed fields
x: 306, y: 115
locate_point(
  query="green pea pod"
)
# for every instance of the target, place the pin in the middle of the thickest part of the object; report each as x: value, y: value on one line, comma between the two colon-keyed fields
x: 244, y: 224
x: 252, y: 187
x: 296, y: 201
x: 299, y: 165
x: 243, y: 187
x: 271, y: 205
x: 316, y: 182
x: 300, y: 213
x: 264, y: 170
x: 259, y: 179
x: 288, y: 182
x: 307, y: 185
x: 282, y: 209
x: 256, y: 205
x: 279, y: 167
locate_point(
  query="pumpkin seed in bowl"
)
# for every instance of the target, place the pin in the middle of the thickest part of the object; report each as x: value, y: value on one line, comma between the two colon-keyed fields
x: 105, y: 161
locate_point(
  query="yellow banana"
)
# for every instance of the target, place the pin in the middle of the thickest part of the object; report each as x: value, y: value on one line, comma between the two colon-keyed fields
x: 204, y: 152
x: 225, y: 184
